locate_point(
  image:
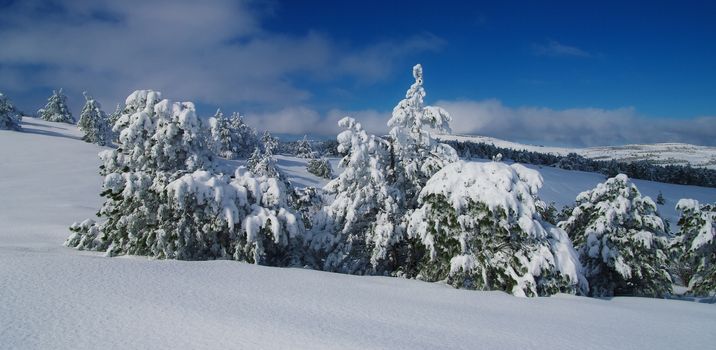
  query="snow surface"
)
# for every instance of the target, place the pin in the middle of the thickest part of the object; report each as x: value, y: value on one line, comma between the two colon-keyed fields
x: 659, y: 153
x: 52, y: 297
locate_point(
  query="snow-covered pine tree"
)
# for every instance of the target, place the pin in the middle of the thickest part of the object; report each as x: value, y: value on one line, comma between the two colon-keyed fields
x: 320, y: 167
x: 138, y: 101
x: 479, y: 228
x: 380, y: 185
x: 222, y: 139
x: 304, y: 149
x: 353, y: 233
x: 269, y: 143
x: 697, y: 244
x: 417, y: 155
x: 115, y: 115
x: 94, y: 122
x: 56, y: 109
x: 246, y: 140
x: 9, y: 117
x: 621, y: 240
x: 254, y: 159
x: 163, y: 198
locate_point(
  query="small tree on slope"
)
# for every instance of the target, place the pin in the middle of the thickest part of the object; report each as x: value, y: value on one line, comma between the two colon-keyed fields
x: 479, y: 228
x: 320, y: 167
x: 56, y: 109
x: 621, y: 240
x: 9, y: 117
x: 697, y: 244
x: 94, y: 123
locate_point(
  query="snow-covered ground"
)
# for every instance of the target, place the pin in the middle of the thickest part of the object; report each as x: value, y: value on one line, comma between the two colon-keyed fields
x: 52, y: 297
x: 659, y: 153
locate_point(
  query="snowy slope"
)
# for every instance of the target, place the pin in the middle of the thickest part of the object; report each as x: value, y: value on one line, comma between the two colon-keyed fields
x: 659, y: 153
x: 54, y: 297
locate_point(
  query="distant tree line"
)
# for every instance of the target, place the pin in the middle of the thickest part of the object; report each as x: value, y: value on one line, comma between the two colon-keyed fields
x: 645, y: 170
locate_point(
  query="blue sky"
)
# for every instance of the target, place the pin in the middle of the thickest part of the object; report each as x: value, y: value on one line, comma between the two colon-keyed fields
x: 543, y: 72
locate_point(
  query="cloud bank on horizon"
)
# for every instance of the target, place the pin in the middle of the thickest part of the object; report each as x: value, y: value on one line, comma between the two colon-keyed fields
x: 232, y: 54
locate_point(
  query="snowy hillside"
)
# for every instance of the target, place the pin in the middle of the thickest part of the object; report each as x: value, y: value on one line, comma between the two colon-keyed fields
x: 60, y: 298
x: 660, y: 153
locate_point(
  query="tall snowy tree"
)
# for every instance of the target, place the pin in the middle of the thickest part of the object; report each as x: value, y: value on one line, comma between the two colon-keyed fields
x: 164, y: 199
x: 697, y: 244
x: 417, y: 154
x: 269, y: 143
x: 9, y: 117
x: 221, y: 135
x: 94, y: 123
x: 380, y: 185
x: 480, y: 228
x: 355, y: 230
x: 56, y: 109
x: 621, y: 240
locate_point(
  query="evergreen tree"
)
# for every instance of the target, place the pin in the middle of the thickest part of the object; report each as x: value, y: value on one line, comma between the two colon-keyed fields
x: 304, y: 149
x: 697, y: 246
x: 380, y: 185
x: 9, y: 117
x: 269, y: 143
x: 660, y: 199
x: 320, y: 167
x: 246, y: 139
x: 417, y: 156
x: 353, y: 233
x: 56, y: 109
x: 254, y: 159
x: 221, y: 136
x: 164, y: 199
x: 621, y: 240
x: 94, y: 123
x: 479, y: 227
x: 140, y: 101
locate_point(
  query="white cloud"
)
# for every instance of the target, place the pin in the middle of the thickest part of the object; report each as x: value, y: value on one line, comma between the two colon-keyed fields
x: 576, y: 126
x: 214, y: 53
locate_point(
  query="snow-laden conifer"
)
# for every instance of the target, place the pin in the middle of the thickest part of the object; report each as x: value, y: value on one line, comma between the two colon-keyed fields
x: 9, y: 117
x: 356, y: 229
x: 621, y: 240
x: 320, y: 167
x: 697, y: 244
x: 380, y: 185
x: 269, y: 143
x: 94, y: 123
x: 479, y: 228
x: 56, y: 109
x: 417, y: 154
x: 231, y: 137
x: 165, y: 200
x: 221, y: 137
x: 304, y: 150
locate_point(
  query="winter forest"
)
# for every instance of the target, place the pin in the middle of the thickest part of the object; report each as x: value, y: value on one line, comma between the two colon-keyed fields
x: 402, y: 204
